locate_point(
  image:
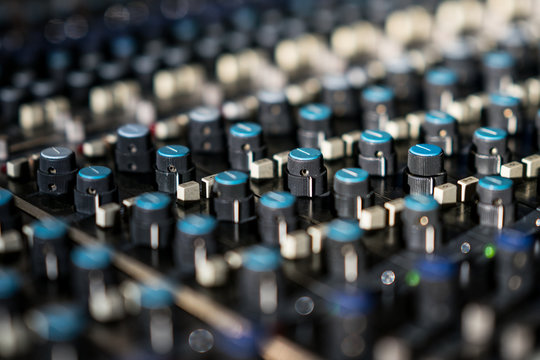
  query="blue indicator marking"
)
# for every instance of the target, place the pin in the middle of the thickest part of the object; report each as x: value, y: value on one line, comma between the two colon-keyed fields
x: 378, y: 94
x: 95, y: 172
x: 421, y: 202
x: 204, y: 114
x: 376, y: 136
x: 496, y: 183
x: 352, y: 175
x: 91, y: 257
x: 231, y: 177
x: 425, y: 150
x: 155, y: 297
x: 305, y: 154
x: 441, y: 76
x: 436, y: 268
x: 315, y: 112
x: 49, y: 229
x: 5, y: 197
x: 133, y: 131
x: 197, y: 224
x: 439, y: 117
x: 503, y: 100
x: 344, y: 230
x: 514, y: 240
x: 153, y: 201
x: 246, y: 129
x: 261, y: 258
x: 56, y: 153
x: 490, y: 133
x: 57, y: 322
x: 277, y: 199
x: 10, y: 283
x: 499, y: 59
x: 173, y: 151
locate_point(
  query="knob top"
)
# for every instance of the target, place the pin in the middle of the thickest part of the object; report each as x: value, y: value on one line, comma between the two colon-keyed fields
x: 490, y: 134
x: 9, y: 283
x: 245, y: 129
x: 496, y: 183
x: 277, y: 199
x: 197, y: 224
x: 378, y: 94
x: 57, y: 322
x: 173, y: 151
x: 204, y: 114
x: 231, y: 177
x: 95, y: 172
x: 503, y: 100
x: 438, y: 117
x: 155, y: 297
x: 133, y: 131
x: 376, y: 136
x: 261, y: 258
x: 56, y: 153
x: 5, y: 197
x: 272, y: 97
x: 421, y: 202
x: 344, y: 230
x: 351, y: 175
x: 514, y: 240
x: 91, y: 257
x: 425, y: 150
x: 152, y: 201
x: 305, y: 154
x: 437, y: 268
x: 499, y: 59
x: 315, y: 112
x: 349, y: 303
x: 441, y: 76
x: 49, y: 229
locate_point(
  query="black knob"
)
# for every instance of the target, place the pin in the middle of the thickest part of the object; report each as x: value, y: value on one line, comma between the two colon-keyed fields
x: 345, y: 259
x: 515, y: 265
x: 206, y: 130
x: 10, y: 217
x: 92, y: 271
x: 404, y: 81
x: 151, y: 220
x: 377, y: 155
x: 194, y: 241
x: 338, y: 95
x: 134, y: 150
x: 504, y: 112
x: 315, y: 125
x: 498, y: 70
x: 233, y: 199
x: 440, y: 88
x: 49, y: 253
x: 57, y: 171
x: 489, y: 151
x: 277, y: 216
x: 496, y: 201
x: 377, y: 106
x: 425, y: 168
x: 260, y: 281
x: 173, y: 167
x: 438, y: 291
x: 246, y: 145
x: 440, y: 129
x: 351, y: 192
x: 95, y: 187
x: 461, y: 58
x: 422, y: 227
x: 306, y: 173
x: 274, y: 112
x: 156, y: 302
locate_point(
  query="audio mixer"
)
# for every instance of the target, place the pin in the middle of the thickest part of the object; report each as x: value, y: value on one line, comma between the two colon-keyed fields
x: 258, y: 179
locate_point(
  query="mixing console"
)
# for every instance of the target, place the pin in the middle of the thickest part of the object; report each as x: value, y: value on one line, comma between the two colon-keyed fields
x: 288, y: 179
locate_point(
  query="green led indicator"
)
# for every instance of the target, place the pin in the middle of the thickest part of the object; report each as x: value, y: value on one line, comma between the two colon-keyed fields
x: 489, y: 251
x: 412, y: 278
